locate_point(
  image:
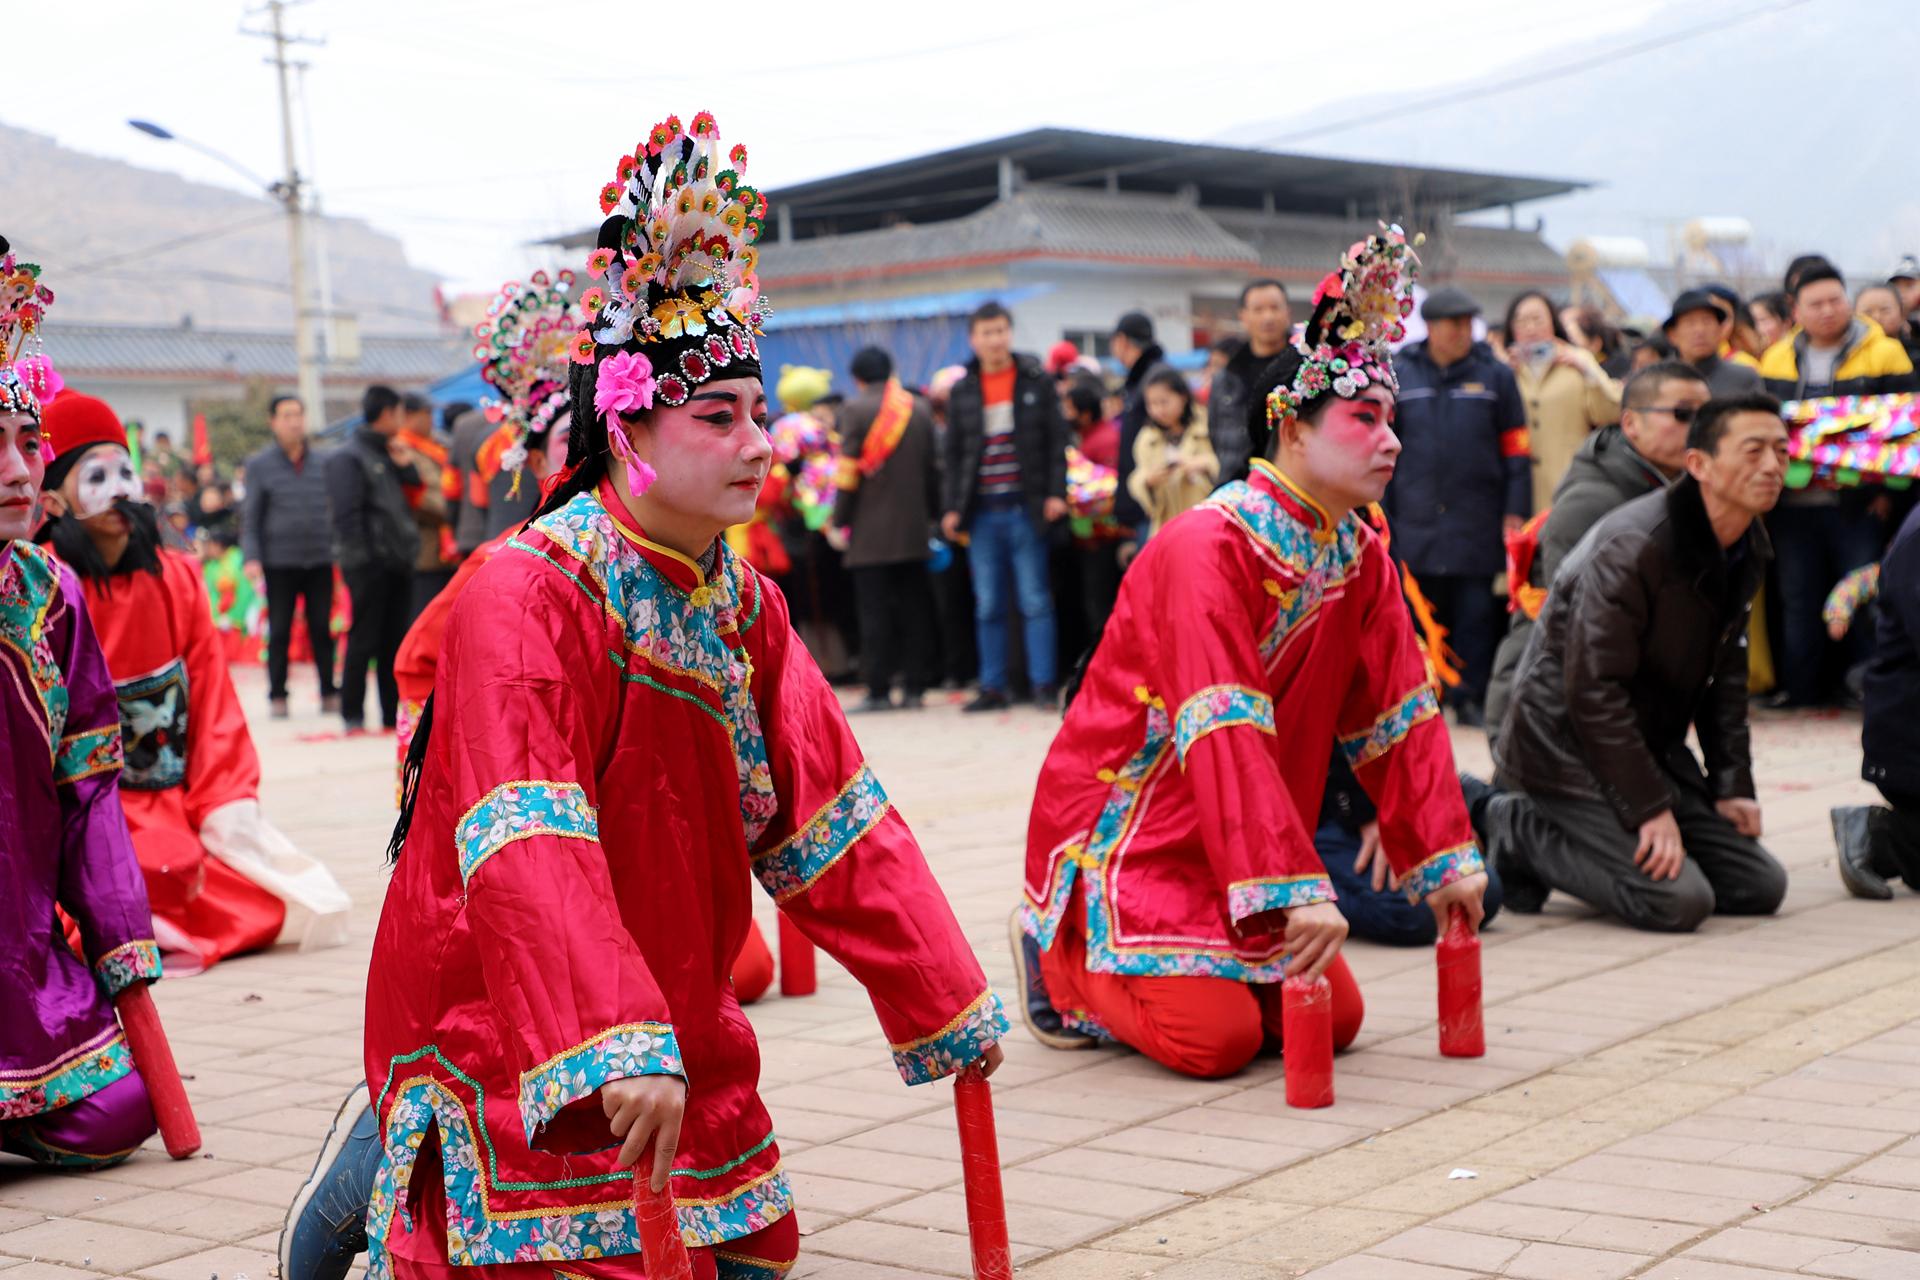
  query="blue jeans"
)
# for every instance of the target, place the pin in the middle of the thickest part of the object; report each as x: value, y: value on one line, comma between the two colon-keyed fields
x: 1007, y: 552
x: 1814, y: 548
x: 1381, y: 915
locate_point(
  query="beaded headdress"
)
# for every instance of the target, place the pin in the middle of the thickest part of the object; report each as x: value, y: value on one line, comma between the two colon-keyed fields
x: 25, y: 378
x: 523, y: 347
x: 1359, y: 311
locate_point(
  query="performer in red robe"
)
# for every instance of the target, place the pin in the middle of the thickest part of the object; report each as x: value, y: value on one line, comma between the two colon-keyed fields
x: 219, y: 876
x: 1171, y: 878
x: 625, y: 733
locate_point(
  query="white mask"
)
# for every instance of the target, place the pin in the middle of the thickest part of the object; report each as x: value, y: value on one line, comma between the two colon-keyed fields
x: 101, y: 478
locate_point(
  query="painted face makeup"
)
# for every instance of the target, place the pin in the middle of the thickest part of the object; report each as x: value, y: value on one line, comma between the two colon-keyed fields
x: 711, y: 455
x: 100, y: 479
x: 1352, y: 451
x: 22, y: 465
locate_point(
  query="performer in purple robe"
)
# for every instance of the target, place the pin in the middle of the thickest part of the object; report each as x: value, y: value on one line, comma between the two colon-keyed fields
x: 69, y: 1094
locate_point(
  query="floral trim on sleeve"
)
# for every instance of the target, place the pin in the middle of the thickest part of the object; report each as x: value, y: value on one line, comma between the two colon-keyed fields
x: 1390, y: 729
x: 790, y: 868
x: 519, y: 811
x: 126, y: 964
x: 963, y: 1041
x: 1441, y: 870
x: 81, y: 755
x: 1220, y: 706
x: 1276, y: 893
x: 631, y: 1049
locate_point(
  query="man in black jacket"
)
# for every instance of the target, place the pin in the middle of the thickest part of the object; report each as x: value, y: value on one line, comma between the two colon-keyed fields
x: 1266, y: 318
x: 889, y: 490
x: 1643, y: 637
x: 375, y: 541
x: 1616, y: 465
x: 1878, y: 843
x: 1006, y: 486
x: 1133, y: 346
x: 287, y: 540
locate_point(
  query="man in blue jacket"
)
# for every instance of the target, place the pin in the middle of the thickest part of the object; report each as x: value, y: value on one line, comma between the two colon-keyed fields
x: 1465, y: 479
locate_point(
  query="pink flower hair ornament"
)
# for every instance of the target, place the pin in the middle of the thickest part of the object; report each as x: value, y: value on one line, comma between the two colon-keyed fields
x: 625, y: 384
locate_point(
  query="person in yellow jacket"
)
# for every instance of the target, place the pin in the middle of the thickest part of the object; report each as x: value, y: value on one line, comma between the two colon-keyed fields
x: 1174, y: 465
x: 1821, y: 534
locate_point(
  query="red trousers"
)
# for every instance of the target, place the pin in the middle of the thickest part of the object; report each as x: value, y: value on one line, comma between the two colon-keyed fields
x: 1203, y: 1027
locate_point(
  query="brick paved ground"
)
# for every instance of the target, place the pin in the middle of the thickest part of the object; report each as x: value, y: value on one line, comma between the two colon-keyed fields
x: 1742, y: 1102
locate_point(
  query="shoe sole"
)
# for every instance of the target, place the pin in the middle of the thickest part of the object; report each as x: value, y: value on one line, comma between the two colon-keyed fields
x: 1850, y: 874
x: 337, y: 1134
x: 1051, y: 1039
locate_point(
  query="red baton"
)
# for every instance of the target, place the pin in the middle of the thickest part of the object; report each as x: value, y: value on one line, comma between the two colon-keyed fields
x: 980, y: 1162
x: 153, y: 1059
x: 1306, y: 1041
x: 1463, y: 1031
x: 796, y: 960
x: 660, y: 1241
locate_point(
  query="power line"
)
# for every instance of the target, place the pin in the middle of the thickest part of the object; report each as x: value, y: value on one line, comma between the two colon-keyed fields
x: 178, y: 242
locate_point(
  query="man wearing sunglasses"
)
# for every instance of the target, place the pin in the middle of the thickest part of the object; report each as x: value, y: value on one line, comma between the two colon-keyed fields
x: 1615, y: 465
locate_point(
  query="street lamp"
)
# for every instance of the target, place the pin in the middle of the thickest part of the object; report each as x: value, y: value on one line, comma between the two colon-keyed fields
x: 287, y: 192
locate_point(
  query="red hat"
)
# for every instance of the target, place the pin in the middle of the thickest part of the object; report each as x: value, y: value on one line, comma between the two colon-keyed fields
x: 1061, y: 355
x: 71, y: 424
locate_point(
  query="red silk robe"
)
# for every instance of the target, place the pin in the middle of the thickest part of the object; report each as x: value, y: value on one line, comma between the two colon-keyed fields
x: 188, y: 753
x: 618, y: 750
x: 1181, y: 795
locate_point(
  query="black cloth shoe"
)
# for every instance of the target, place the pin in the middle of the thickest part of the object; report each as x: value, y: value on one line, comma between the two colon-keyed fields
x: 987, y: 700
x: 1853, y: 840
x: 1520, y: 889
x: 1469, y: 714
x: 1042, y: 1019
x: 912, y: 701
x: 1046, y: 697
x: 875, y: 702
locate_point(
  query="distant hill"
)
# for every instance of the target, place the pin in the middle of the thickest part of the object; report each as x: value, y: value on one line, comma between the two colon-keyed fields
x: 126, y: 245
x: 1802, y: 122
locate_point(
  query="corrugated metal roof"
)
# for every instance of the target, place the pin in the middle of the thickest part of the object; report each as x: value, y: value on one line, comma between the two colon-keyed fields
x: 173, y: 352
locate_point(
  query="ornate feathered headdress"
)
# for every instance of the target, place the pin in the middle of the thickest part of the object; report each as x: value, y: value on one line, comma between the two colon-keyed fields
x: 523, y: 347
x: 25, y: 377
x: 674, y: 300
x: 1359, y: 311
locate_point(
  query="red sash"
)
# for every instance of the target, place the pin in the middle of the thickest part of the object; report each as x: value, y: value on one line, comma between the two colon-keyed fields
x: 896, y: 410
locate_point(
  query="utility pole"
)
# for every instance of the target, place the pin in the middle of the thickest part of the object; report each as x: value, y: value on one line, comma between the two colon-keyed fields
x: 291, y: 192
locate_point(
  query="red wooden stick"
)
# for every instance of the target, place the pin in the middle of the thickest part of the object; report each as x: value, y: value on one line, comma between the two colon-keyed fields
x: 796, y: 960
x: 980, y: 1162
x: 1306, y: 1041
x: 153, y: 1058
x: 660, y: 1240
x: 1463, y: 1031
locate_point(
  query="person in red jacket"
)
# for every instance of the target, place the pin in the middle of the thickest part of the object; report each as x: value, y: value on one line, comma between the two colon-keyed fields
x: 220, y: 877
x: 1171, y: 876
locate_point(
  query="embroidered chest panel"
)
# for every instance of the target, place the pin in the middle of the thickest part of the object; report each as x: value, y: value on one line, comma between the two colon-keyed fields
x: 1303, y: 564
x: 153, y: 726
x: 29, y: 592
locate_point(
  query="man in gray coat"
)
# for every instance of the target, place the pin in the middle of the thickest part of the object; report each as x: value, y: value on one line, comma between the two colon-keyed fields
x: 889, y: 491
x: 287, y: 543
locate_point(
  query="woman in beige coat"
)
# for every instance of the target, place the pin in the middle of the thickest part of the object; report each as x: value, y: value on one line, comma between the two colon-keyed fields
x: 1174, y: 466
x: 1567, y: 394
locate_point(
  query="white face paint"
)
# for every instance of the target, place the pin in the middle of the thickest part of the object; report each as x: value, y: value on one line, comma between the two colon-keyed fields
x: 101, y: 478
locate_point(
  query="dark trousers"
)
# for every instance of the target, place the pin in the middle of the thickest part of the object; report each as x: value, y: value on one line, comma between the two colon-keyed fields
x: 953, y: 595
x: 427, y: 583
x: 1381, y: 915
x: 1893, y: 838
x: 896, y: 626
x: 1465, y: 605
x: 1815, y: 547
x: 1579, y: 847
x: 381, y: 599
x: 314, y: 588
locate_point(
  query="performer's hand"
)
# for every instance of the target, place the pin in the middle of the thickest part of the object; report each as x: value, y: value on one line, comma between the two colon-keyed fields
x: 1372, y: 855
x: 1743, y: 813
x: 1314, y: 935
x: 950, y: 526
x: 990, y: 1061
x: 1054, y: 509
x: 643, y: 1108
x: 1660, y: 852
x: 1468, y: 893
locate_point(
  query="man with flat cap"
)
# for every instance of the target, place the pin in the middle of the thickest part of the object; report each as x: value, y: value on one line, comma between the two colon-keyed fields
x: 1697, y: 328
x: 1465, y: 478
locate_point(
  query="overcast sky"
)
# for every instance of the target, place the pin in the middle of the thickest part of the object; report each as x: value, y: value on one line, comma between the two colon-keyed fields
x: 468, y: 127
